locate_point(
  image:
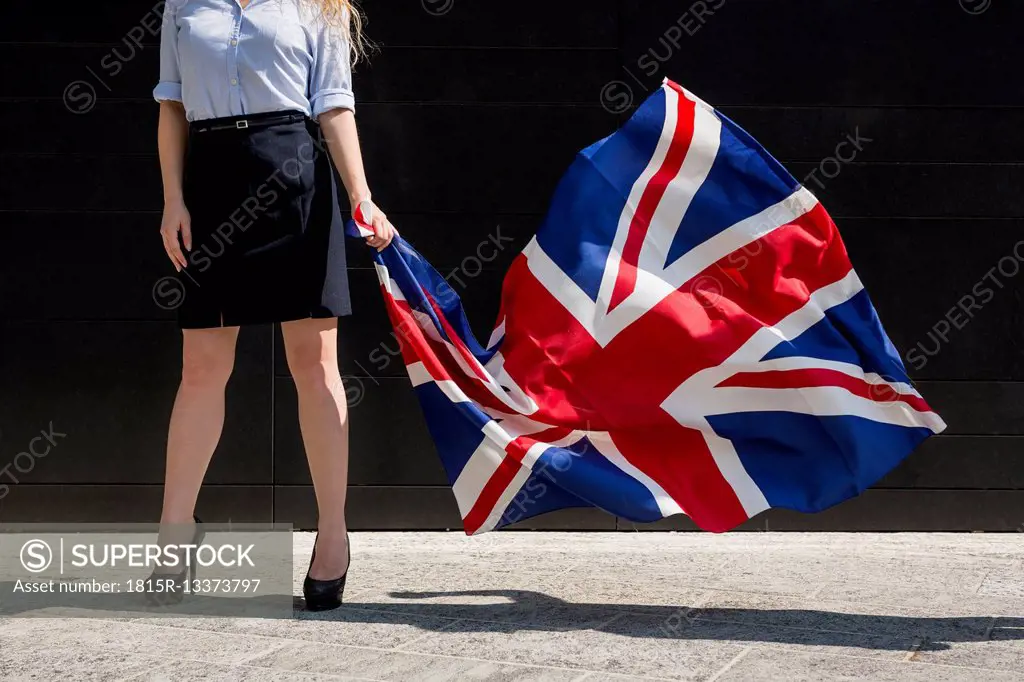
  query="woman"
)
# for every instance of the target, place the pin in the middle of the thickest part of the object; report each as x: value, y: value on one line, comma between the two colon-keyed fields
x: 253, y: 95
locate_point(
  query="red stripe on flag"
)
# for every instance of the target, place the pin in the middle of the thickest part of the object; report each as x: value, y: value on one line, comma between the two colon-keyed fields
x: 808, y: 378
x: 413, y: 343
x: 651, y: 198
x: 503, y: 476
x: 435, y: 354
x: 679, y: 461
x: 456, y: 340
x: 496, y: 485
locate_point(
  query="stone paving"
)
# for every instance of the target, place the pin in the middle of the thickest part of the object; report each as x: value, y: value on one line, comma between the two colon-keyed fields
x: 594, y: 607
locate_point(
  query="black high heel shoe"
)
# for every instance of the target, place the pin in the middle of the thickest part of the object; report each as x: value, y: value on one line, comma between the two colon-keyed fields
x: 324, y: 595
x: 166, y: 589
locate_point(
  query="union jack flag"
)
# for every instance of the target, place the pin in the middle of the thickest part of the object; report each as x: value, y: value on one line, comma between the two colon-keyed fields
x: 685, y: 334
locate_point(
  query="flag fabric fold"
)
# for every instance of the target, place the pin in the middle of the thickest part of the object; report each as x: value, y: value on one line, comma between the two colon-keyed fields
x: 684, y: 334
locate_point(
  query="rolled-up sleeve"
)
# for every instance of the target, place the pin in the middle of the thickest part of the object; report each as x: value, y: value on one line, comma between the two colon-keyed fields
x: 169, y: 87
x: 330, y: 80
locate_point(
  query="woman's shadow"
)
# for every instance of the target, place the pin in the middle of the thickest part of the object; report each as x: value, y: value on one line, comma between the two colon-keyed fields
x: 514, y: 610
x: 509, y: 611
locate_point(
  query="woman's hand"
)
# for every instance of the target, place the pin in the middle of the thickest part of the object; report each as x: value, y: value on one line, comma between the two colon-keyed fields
x: 339, y: 129
x: 176, y: 219
x: 383, y: 230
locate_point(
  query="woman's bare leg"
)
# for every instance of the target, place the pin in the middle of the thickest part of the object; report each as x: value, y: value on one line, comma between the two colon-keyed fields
x: 311, y: 347
x: 208, y: 356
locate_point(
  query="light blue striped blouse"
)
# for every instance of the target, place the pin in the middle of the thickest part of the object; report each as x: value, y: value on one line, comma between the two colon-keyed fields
x: 220, y: 59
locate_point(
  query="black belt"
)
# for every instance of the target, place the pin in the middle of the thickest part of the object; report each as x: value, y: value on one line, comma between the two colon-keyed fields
x: 245, y: 122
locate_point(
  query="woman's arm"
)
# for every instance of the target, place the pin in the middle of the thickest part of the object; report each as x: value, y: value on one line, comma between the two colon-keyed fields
x: 172, y: 138
x: 339, y: 128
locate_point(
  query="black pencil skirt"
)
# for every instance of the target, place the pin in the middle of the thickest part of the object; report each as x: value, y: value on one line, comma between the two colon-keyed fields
x: 268, y: 241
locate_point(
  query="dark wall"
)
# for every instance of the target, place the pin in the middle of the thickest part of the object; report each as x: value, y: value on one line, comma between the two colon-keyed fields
x: 469, y: 115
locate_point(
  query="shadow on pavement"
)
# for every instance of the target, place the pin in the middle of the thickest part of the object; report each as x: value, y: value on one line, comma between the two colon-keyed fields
x: 528, y: 610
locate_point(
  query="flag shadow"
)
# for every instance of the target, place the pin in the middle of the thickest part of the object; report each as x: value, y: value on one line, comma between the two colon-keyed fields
x: 528, y: 610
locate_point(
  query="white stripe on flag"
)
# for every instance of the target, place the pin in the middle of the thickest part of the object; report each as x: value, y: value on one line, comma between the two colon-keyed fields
x: 562, y: 287
x: 515, y: 399
x: 820, y: 401
x: 855, y: 371
x: 681, y: 190
x: 740, y: 235
x: 668, y: 135
x: 792, y: 326
x: 384, y: 277
x: 481, y: 465
x: 728, y: 462
x: 513, y: 488
x: 418, y: 373
x: 497, y: 335
x: 653, y: 282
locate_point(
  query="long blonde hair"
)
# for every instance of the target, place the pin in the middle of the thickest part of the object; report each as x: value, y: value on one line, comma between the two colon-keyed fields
x: 347, y: 15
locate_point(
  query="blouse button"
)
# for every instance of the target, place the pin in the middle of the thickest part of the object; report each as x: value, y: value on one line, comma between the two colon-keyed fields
x: 234, y: 42
x: 234, y: 81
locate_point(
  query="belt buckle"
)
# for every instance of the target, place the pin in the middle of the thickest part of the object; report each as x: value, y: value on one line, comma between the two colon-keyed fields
x: 241, y: 125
